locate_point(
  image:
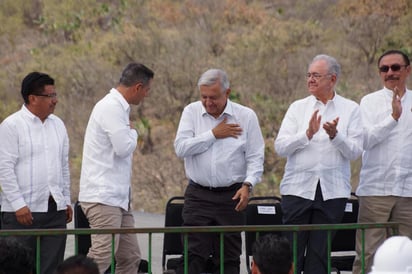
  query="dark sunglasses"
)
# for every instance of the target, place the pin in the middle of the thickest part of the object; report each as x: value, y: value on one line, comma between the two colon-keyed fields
x: 394, y: 67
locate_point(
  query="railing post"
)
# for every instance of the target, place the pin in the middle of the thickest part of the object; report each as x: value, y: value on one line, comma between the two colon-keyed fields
x: 112, y: 265
x: 363, y: 251
x: 222, y: 255
x: 38, y: 254
x: 295, y: 251
x: 329, y: 245
x: 185, y: 255
x: 150, y: 254
x: 76, y: 244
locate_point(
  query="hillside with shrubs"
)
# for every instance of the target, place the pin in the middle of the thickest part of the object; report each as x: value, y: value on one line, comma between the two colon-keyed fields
x: 265, y: 47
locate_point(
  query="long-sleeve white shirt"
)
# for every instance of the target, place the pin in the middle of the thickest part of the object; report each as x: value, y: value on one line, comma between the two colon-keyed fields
x: 319, y: 159
x: 387, y: 158
x: 215, y: 162
x: 33, y: 162
x: 108, y: 148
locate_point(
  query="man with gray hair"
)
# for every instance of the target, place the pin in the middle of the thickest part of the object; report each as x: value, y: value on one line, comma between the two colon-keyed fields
x: 223, y: 149
x: 319, y: 136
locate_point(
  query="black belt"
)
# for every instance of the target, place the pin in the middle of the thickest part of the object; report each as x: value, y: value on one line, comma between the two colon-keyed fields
x: 234, y: 186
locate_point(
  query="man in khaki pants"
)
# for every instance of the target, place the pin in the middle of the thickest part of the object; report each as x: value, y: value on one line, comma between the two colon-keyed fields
x: 385, y: 187
x: 109, y: 143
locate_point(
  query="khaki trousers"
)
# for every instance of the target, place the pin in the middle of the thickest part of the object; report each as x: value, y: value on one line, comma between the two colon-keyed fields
x: 127, y: 251
x: 379, y: 209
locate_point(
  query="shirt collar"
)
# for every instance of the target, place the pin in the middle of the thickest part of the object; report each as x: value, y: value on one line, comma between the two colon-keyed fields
x: 118, y: 96
x: 30, y: 115
x: 315, y: 101
x: 228, y: 109
x: 387, y: 91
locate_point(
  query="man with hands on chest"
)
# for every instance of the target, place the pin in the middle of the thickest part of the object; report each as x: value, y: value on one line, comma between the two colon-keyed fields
x: 223, y: 151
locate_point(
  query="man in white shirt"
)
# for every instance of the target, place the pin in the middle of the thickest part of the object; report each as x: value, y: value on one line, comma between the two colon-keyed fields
x: 223, y: 150
x: 34, y: 169
x: 319, y: 135
x: 109, y: 143
x: 385, y: 186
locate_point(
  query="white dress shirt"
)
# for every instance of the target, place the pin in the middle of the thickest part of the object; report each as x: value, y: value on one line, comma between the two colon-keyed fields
x: 387, y: 159
x: 33, y: 162
x: 108, y: 148
x: 215, y: 162
x: 319, y: 159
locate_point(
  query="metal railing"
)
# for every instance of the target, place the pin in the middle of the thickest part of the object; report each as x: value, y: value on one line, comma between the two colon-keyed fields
x: 203, y: 229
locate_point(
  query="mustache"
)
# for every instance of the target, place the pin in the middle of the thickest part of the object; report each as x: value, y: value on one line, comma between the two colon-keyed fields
x: 391, y: 77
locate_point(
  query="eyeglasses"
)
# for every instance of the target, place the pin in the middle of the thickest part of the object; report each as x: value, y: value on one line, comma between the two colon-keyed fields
x: 316, y: 76
x: 50, y: 95
x: 394, y: 67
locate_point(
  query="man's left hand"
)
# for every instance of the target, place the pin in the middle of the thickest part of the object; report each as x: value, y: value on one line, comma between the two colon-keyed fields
x: 331, y: 128
x: 69, y: 214
x: 243, y: 195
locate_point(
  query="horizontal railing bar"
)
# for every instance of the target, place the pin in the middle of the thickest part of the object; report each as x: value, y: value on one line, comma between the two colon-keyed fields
x: 189, y: 229
x: 185, y: 230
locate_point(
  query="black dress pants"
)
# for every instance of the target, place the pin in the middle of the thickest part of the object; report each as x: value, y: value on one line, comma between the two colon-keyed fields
x: 51, y: 247
x: 312, y: 245
x: 205, y: 207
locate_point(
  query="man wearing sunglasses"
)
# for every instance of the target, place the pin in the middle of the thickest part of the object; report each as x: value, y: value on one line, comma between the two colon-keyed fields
x: 385, y: 187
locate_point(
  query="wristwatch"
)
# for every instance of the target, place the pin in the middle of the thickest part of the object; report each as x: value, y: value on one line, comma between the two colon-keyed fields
x: 249, y: 185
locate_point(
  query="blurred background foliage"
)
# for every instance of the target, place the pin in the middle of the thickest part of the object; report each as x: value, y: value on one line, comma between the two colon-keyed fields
x: 265, y: 46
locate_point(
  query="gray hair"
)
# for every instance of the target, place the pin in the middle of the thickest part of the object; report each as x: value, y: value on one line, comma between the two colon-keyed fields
x: 333, y: 65
x: 211, y: 76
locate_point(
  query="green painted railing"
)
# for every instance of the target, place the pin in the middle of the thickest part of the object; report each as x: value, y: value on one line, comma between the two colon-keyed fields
x: 202, y: 229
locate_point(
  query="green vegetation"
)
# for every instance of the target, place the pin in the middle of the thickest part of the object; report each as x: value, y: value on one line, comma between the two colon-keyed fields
x: 264, y: 45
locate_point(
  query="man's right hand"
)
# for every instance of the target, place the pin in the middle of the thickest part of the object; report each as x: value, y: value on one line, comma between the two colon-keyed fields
x: 24, y: 216
x: 224, y: 130
x: 314, y: 124
x: 396, y: 104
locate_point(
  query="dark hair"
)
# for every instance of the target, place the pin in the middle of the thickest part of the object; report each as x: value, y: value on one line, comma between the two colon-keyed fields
x: 78, y: 264
x: 272, y: 254
x: 34, y: 83
x: 134, y: 73
x: 15, y: 257
x: 394, y: 51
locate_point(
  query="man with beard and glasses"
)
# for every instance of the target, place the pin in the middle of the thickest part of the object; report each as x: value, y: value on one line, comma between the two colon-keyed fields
x: 385, y: 187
